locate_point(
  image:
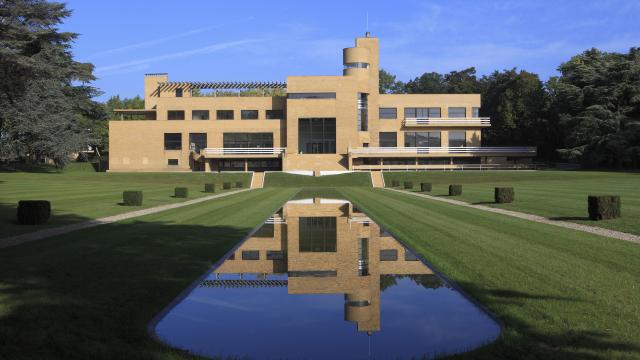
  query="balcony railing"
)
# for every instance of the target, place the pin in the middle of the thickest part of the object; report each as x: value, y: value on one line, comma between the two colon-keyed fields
x: 242, y: 151
x: 483, y: 121
x: 532, y: 150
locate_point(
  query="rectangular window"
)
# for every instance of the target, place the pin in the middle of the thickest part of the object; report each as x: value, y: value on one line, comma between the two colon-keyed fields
x: 422, y: 139
x: 409, y: 256
x: 422, y: 112
x: 388, y: 113
x: 317, y: 136
x: 197, y: 141
x: 200, y: 115
x: 318, y: 234
x: 475, y: 112
x: 363, y: 112
x: 248, y: 114
x: 247, y: 140
x: 315, y: 95
x: 275, y: 255
x: 274, y: 114
x: 388, y: 139
x: 173, y: 141
x: 172, y: 162
x: 457, y: 112
x: 457, y: 139
x: 179, y: 92
x: 224, y: 114
x: 388, y: 255
x: 265, y: 231
x: 250, y: 255
x: 175, y: 114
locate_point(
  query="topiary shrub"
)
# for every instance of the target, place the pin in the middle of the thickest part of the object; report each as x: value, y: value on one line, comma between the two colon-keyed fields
x: 604, y: 207
x: 408, y: 185
x: 181, y: 192
x: 226, y: 185
x: 132, y: 198
x: 395, y: 183
x: 209, y: 188
x: 425, y: 187
x: 238, y: 184
x: 455, y: 190
x: 504, y: 195
x: 33, y: 212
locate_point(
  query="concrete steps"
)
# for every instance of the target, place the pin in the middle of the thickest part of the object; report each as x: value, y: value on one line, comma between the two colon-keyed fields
x: 377, y: 180
x: 257, y: 181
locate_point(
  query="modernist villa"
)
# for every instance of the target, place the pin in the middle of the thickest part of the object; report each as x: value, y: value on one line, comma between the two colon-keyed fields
x: 308, y: 124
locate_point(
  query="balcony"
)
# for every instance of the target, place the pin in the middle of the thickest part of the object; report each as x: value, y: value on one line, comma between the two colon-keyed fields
x: 447, y: 122
x: 442, y: 151
x: 242, y: 152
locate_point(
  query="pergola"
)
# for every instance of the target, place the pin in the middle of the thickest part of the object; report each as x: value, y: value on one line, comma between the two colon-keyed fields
x: 220, y: 85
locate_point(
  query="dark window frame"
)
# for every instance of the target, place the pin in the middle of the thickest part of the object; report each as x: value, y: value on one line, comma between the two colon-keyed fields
x: 175, y: 115
x: 170, y: 141
x: 201, y: 112
x: 464, y: 139
x: 220, y: 116
x: 274, y: 114
x: 386, y: 113
x: 311, y: 95
x: 170, y: 162
x: 456, y: 108
x: 387, y: 142
x: 244, y: 114
x: 200, y: 144
x: 317, y: 136
x: 249, y: 140
x: 424, y: 140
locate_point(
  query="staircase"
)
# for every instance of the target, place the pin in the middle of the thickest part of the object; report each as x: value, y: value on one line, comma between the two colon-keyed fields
x: 377, y: 180
x: 257, y: 180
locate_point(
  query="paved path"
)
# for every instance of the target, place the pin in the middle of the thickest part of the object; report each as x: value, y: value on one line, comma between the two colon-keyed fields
x: 565, y: 224
x: 45, y: 233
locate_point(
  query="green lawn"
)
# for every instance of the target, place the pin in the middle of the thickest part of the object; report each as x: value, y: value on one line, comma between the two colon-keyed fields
x: 279, y: 179
x: 558, y: 195
x: 90, y: 294
x: 561, y: 294
x: 80, y: 195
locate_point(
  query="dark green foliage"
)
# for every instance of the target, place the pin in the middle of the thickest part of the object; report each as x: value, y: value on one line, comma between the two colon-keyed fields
x: 132, y: 198
x: 395, y: 183
x: 455, y: 190
x: 33, y: 212
x: 226, y: 185
x: 425, y: 187
x: 238, y: 184
x: 504, y: 195
x: 209, y: 188
x: 181, y: 192
x: 604, y: 207
x: 408, y: 185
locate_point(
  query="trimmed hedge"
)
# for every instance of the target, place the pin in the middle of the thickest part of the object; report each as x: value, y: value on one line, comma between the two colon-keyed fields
x: 181, y: 192
x: 132, y: 198
x: 395, y: 183
x: 425, y: 187
x: 604, y: 207
x: 238, y: 184
x: 455, y: 190
x: 504, y: 195
x: 33, y: 212
x: 209, y: 188
x: 226, y: 185
x: 408, y: 185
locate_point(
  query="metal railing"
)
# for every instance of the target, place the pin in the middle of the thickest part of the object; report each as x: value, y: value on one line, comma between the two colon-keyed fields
x: 532, y: 150
x: 451, y: 167
x: 243, y: 151
x: 483, y: 121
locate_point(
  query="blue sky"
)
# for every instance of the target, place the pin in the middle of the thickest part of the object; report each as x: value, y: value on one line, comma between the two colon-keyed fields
x: 268, y: 40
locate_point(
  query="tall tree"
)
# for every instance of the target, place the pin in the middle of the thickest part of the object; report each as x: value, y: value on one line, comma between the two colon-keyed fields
x: 388, y: 83
x: 36, y: 66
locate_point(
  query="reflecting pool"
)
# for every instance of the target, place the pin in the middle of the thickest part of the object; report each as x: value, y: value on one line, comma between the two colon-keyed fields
x: 320, y: 280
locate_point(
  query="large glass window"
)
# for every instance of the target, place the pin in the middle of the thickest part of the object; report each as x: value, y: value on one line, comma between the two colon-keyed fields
x: 197, y: 141
x: 200, y: 115
x: 475, y: 112
x: 248, y: 114
x: 315, y: 95
x: 173, y: 141
x: 317, y: 234
x: 247, y: 140
x: 422, y: 139
x: 422, y: 112
x: 388, y: 113
x: 457, y: 112
x: 175, y: 114
x: 224, y: 114
x: 317, y: 136
x: 388, y: 139
x: 274, y: 114
x: 457, y: 139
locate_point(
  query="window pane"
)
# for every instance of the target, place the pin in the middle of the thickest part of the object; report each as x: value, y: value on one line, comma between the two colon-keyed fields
x: 274, y: 114
x: 422, y: 112
x: 224, y: 114
x: 172, y: 162
x: 457, y: 139
x: 200, y: 115
x: 317, y: 234
x: 409, y: 112
x: 434, y: 139
x: 410, y: 139
x: 175, y: 114
x: 247, y: 140
x: 173, y: 141
x: 197, y: 141
x: 388, y: 113
x: 248, y: 114
x: 388, y: 139
x: 317, y: 136
x: 457, y: 112
x: 434, y: 112
x: 422, y: 139
x: 475, y: 112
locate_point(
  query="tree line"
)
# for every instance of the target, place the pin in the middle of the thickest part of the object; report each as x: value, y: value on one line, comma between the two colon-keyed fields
x: 589, y: 114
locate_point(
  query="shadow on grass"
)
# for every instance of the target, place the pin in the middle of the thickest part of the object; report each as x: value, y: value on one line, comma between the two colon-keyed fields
x: 9, y: 225
x: 90, y: 294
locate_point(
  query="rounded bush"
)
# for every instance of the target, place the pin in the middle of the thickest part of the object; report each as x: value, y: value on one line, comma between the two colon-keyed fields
x: 455, y: 190
x: 604, y: 207
x: 181, y: 192
x: 209, y: 188
x: 132, y: 198
x: 425, y: 187
x: 226, y: 185
x: 504, y: 195
x: 33, y: 212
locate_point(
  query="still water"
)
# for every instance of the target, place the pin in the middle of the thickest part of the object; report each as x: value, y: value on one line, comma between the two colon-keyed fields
x: 320, y: 280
